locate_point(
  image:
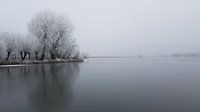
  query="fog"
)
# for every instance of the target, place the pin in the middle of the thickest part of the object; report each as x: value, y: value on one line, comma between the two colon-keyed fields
x: 117, y: 27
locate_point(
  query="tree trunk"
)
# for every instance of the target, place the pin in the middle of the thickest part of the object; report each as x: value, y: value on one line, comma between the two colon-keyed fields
x: 36, y: 55
x: 43, y: 53
x: 8, y: 55
x: 53, y: 56
x: 24, y: 56
x: 44, y: 46
x: 21, y: 54
x: 29, y: 55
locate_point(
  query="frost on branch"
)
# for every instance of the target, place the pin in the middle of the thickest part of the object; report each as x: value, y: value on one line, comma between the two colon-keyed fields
x: 49, y: 37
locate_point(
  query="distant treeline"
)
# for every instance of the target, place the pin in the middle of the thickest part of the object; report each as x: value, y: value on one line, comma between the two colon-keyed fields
x: 49, y: 37
x: 186, y: 55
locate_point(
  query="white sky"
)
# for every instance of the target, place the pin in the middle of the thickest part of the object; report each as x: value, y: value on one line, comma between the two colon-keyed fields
x: 117, y: 27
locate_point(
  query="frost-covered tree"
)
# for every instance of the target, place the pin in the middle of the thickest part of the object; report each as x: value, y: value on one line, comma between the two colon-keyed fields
x: 40, y: 26
x: 25, y: 46
x: 9, y: 40
x: 2, y: 49
x: 85, y: 55
x: 36, y: 47
x: 19, y: 46
x: 50, y: 37
x: 51, y: 30
x: 62, y: 33
x: 70, y: 48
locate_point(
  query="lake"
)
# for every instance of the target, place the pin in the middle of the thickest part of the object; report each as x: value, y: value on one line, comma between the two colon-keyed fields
x: 103, y: 85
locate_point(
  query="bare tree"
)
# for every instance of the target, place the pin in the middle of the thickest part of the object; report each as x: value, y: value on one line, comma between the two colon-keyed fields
x: 50, y: 37
x: 2, y: 48
x: 50, y: 29
x: 36, y: 46
x: 10, y: 42
x: 62, y: 33
x: 41, y: 26
x: 68, y: 48
x: 26, y: 47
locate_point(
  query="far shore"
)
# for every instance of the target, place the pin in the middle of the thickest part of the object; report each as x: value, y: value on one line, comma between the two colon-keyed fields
x: 39, y: 61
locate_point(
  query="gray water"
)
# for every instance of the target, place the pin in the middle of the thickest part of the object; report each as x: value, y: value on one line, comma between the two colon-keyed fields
x: 103, y: 85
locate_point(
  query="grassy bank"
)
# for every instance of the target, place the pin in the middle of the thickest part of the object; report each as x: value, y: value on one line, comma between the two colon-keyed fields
x: 39, y: 61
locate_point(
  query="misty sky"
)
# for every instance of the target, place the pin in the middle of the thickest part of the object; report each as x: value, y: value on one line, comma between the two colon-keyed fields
x: 117, y: 27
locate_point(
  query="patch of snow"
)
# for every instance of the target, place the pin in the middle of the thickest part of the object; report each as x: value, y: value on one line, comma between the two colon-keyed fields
x: 4, y: 66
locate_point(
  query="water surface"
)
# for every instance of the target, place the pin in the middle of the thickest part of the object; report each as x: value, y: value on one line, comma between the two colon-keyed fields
x: 103, y: 85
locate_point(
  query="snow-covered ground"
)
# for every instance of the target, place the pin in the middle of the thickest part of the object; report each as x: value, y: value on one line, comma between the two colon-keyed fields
x: 4, y: 66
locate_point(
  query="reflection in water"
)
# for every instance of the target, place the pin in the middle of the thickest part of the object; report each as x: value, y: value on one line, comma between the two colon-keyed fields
x: 105, y: 85
x: 37, y: 88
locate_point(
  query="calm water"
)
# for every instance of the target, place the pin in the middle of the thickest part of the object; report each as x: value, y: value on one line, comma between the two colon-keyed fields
x: 103, y: 85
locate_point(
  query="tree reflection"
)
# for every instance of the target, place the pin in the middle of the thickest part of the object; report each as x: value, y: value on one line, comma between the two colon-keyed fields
x: 53, y: 93
x: 37, y: 88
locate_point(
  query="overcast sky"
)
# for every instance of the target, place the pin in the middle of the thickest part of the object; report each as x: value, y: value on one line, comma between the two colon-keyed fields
x: 117, y: 27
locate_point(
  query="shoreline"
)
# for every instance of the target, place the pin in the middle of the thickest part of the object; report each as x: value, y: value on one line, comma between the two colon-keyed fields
x: 39, y: 62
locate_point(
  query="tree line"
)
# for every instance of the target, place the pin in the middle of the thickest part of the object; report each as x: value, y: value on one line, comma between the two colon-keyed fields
x: 49, y: 37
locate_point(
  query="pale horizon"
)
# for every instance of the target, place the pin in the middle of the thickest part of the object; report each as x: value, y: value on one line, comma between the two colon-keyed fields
x: 115, y: 27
